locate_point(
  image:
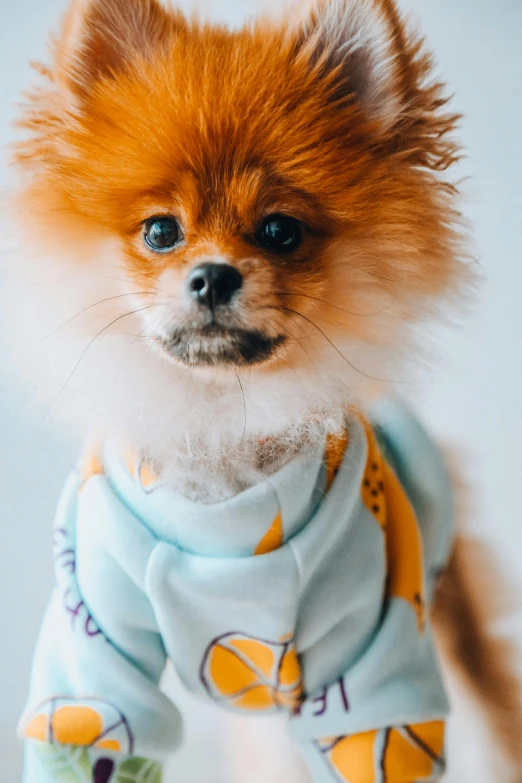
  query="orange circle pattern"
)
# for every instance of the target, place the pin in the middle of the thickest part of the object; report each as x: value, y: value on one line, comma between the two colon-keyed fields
x: 251, y: 674
x: 87, y: 723
x: 408, y: 753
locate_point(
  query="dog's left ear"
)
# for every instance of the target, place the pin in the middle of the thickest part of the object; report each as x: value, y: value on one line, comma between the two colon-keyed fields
x: 100, y: 38
x: 362, y: 42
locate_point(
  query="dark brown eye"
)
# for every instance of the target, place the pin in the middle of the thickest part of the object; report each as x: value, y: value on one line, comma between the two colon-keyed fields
x: 280, y: 234
x: 162, y: 234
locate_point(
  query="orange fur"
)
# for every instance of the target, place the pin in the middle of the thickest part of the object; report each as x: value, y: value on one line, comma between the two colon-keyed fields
x: 150, y: 114
x: 474, y: 595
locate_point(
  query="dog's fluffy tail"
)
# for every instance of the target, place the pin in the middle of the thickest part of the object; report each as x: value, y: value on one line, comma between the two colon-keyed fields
x: 474, y: 605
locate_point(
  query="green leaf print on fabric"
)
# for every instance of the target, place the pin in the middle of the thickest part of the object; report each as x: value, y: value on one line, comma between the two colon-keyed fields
x: 137, y: 770
x: 66, y: 764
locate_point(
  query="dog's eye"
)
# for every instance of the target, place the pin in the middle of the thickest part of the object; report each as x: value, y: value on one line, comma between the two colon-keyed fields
x: 280, y: 234
x: 162, y: 234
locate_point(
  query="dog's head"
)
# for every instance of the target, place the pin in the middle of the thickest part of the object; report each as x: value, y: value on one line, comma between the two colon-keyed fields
x: 264, y: 210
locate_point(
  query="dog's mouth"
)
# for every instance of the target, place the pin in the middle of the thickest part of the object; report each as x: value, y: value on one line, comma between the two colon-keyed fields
x: 216, y: 345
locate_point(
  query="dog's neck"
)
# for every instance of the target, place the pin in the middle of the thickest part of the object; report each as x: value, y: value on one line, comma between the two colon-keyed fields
x: 211, y: 473
x: 208, y: 478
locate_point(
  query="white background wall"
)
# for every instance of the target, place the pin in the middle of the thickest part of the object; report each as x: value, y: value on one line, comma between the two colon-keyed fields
x: 474, y: 398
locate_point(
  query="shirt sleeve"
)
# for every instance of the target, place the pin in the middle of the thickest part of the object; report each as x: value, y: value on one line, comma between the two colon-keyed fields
x: 95, y: 711
x: 383, y: 718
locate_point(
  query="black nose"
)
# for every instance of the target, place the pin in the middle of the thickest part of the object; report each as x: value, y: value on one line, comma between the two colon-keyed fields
x: 214, y: 284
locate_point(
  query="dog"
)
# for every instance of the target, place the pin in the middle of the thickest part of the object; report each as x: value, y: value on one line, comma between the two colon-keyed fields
x: 228, y: 246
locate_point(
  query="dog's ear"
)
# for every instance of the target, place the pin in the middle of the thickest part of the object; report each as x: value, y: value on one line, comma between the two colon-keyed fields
x: 100, y: 38
x: 362, y: 42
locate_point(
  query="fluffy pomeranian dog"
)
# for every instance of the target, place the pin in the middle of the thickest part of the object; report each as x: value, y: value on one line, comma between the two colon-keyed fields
x: 301, y: 157
x: 226, y: 240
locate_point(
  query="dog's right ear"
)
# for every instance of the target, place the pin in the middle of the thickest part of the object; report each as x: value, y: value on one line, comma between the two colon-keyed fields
x: 360, y: 41
x: 100, y: 38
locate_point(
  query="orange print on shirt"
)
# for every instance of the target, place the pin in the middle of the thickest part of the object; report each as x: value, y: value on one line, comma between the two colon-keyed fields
x: 89, y: 722
x: 91, y: 466
x: 385, y: 498
x: 351, y: 759
x: 273, y: 538
x: 141, y: 471
x: 399, y: 755
x: 252, y: 674
x: 414, y: 749
x: 335, y: 450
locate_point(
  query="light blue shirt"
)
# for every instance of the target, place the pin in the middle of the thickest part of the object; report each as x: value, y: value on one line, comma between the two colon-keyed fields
x: 307, y: 592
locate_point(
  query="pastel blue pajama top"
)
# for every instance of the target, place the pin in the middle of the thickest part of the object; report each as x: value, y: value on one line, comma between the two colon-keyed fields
x: 308, y: 592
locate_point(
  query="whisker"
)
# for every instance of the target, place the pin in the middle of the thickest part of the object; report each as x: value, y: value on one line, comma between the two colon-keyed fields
x: 127, y: 351
x: 244, y: 406
x: 152, y: 327
x: 367, y: 271
x: 356, y: 369
x: 292, y: 336
x: 300, y: 342
x: 90, y: 307
x: 151, y: 346
x: 377, y: 277
x: 329, y: 304
x: 125, y: 315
